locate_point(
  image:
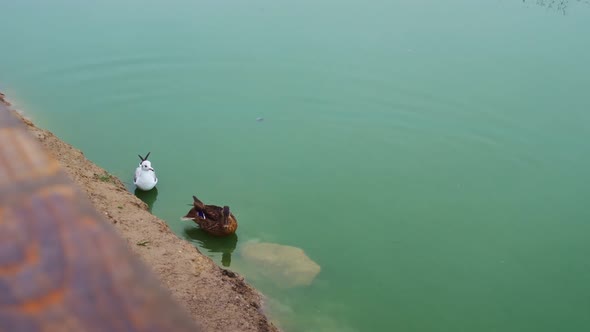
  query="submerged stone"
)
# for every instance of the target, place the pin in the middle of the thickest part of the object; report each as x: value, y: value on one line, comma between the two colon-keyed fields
x: 285, y: 265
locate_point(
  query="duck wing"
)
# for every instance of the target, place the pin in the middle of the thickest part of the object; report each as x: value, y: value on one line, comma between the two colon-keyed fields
x: 213, y: 212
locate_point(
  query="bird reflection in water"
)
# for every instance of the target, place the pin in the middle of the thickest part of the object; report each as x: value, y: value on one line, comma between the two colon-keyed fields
x: 224, y: 245
x: 148, y: 197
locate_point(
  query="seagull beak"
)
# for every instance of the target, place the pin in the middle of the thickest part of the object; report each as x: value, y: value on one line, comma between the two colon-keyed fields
x: 151, y: 169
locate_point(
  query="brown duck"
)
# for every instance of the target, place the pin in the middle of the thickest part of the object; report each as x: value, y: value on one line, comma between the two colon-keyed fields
x: 213, y: 219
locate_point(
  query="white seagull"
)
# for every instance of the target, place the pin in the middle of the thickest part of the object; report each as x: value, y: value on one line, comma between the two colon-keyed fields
x: 145, y: 176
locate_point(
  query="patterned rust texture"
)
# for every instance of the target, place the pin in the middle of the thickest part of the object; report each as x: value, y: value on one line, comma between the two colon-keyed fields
x: 63, y: 268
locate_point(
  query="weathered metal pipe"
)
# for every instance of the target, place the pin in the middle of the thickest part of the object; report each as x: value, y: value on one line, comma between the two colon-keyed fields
x: 62, y: 266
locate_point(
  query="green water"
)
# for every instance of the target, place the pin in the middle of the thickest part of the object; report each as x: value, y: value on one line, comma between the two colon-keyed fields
x: 431, y: 156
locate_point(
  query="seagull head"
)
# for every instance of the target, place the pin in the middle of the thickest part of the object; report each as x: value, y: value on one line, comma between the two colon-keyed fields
x: 146, y: 165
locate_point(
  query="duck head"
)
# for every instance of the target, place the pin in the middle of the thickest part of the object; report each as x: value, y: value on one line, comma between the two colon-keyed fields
x: 225, y: 216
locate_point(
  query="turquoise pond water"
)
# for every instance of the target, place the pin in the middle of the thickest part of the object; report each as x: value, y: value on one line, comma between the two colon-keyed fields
x: 431, y: 156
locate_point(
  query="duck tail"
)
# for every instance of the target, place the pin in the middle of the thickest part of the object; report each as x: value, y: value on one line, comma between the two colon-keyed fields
x: 191, y: 215
x: 197, y: 203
